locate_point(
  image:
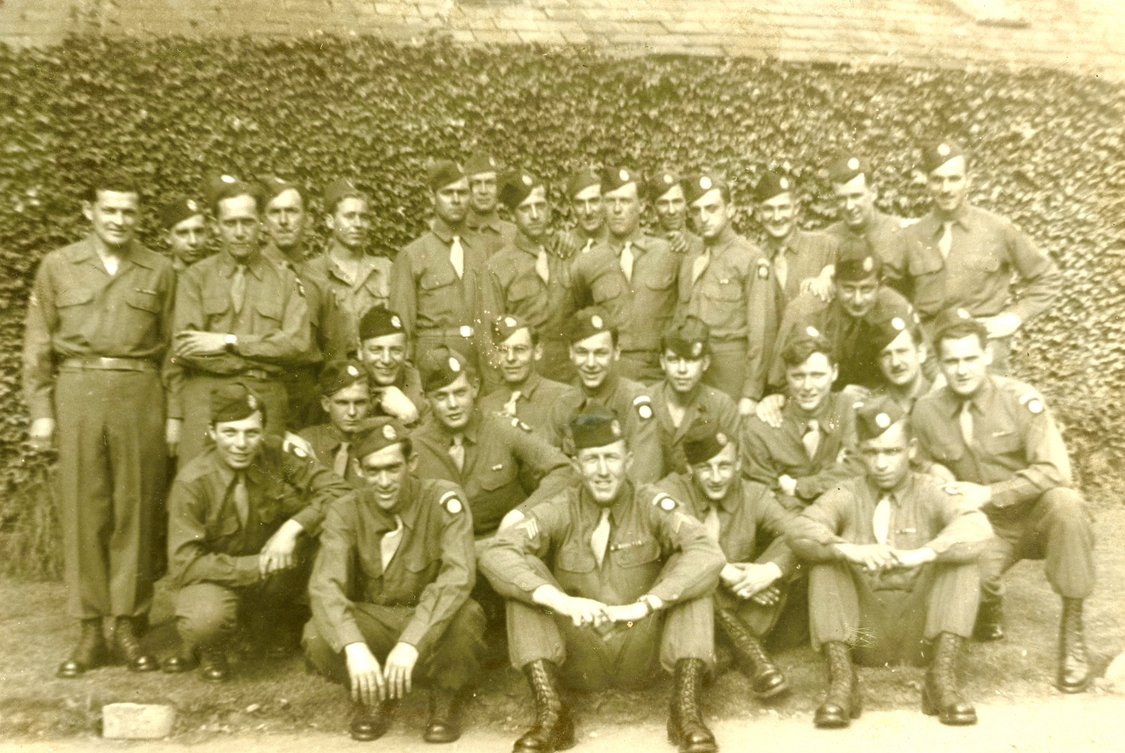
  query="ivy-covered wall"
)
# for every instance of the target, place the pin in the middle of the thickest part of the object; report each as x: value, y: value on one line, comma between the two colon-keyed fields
x: 1049, y: 152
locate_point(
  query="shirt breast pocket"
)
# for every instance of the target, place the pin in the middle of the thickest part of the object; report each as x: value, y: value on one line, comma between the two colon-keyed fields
x: 925, y: 266
x: 269, y: 310
x: 437, y: 294
x: 216, y: 305
x: 70, y: 304
x: 496, y: 477
x: 947, y: 452
x: 723, y: 290
x: 522, y: 289
x: 377, y: 287
x: 574, y: 559
x: 608, y: 287
x: 661, y: 281
x: 1003, y: 444
x: 636, y: 553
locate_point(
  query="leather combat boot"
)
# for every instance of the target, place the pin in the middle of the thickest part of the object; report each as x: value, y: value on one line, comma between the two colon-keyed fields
x: 843, y: 702
x: 213, y: 665
x: 128, y: 648
x: 685, y: 719
x: 553, y: 729
x: 766, y: 680
x: 990, y: 620
x: 369, y: 722
x: 90, y: 651
x: 940, y: 694
x: 1074, y: 665
x: 444, y: 725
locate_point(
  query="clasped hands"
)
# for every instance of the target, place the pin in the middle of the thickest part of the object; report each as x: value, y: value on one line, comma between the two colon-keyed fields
x: 588, y: 612
x: 879, y: 557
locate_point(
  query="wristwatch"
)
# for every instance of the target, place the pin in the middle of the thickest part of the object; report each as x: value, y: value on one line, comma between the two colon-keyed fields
x: 653, y: 602
x: 230, y: 343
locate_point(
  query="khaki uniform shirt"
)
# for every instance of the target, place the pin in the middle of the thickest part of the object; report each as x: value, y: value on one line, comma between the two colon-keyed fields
x: 326, y: 440
x: 328, y: 342
x: 879, y: 236
x: 77, y: 309
x: 707, y: 404
x: 433, y: 570
x: 510, y: 285
x: 352, y: 297
x: 409, y: 381
x: 538, y: 396
x: 493, y: 232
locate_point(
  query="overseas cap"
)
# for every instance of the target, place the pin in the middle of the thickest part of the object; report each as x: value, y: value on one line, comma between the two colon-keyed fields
x: 384, y: 432
x: 703, y: 441
x: 516, y: 186
x: 274, y: 185
x: 338, y: 190
x: 616, y: 177
x: 660, y: 184
x: 898, y: 319
x: 442, y: 173
x: 696, y: 185
x: 379, y: 321
x: 234, y: 402
x: 595, y: 426
x: 847, y: 166
x: 481, y: 162
x: 875, y: 416
x: 858, y: 264
x: 959, y: 319
x: 587, y: 323
x: 936, y: 155
x: 772, y: 184
x: 506, y: 325
x: 216, y: 183
x: 178, y: 210
x: 689, y: 339
x: 582, y: 178
x: 340, y: 374
x: 440, y: 367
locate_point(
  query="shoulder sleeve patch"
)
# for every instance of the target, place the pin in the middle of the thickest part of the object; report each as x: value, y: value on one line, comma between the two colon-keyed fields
x: 451, y: 501
x: 643, y: 405
x: 1032, y: 402
x: 665, y: 502
x: 530, y: 527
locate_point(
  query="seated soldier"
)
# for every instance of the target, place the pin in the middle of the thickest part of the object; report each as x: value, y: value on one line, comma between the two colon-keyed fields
x: 396, y: 388
x: 524, y: 394
x: 391, y: 583
x: 893, y: 558
x: 736, y: 513
x: 235, y: 514
x: 682, y: 398
x: 998, y: 438
x: 902, y: 353
x: 813, y: 448
x: 602, y: 581
x: 346, y: 399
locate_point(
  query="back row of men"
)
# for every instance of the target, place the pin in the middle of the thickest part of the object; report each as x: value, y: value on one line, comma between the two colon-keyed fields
x: 711, y: 322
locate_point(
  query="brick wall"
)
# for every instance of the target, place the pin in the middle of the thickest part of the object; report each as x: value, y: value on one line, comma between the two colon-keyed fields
x: 1078, y: 35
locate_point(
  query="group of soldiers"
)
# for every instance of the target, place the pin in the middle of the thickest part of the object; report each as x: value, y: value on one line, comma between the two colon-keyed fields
x: 657, y: 443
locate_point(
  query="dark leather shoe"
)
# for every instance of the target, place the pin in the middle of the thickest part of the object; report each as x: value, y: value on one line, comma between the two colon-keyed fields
x: 369, y: 722
x: 1074, y: 662
x: 179, y: 663
x: 128, y: 648
x: 843, y: 701
x: 213, y: 665
x: 90, y: 652
x: 444, y: 725
x: 990, y: 621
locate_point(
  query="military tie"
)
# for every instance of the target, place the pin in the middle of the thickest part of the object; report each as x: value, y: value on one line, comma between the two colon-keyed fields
x: 699, y: 266
x: 781, y: 268
x: 965, y: 419
x: 945, y: 242
x: 542, y: 268
x: 457, y: 256
x: 626, y: 260
x: 510, y: 406
x: 340, y: 461
x: 457, y: 452
x: 588, y: 246
x: 711, y: 522
x: 241, y: 497
x: 811, y: 438
x: 238, y: 288
x: 390, y: 543
x: 881, y: 520
x: 599, y: 539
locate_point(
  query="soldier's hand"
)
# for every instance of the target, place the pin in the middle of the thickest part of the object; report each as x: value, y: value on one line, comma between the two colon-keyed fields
x: 677, y: 242
x: 399, y: 668
x: 756, y: 578
x: 871, y: 557
x: 787, y: 484
x: 634, y: 612
x: 173, y: 428
x: 42, y: 434
x: 584, y: 612
x: 914, y: 557
x: 731, y: 574
x: 769, y: 410
x: 367, y: 684
x: 564, y: 243
x: 820, y: 286
x: 195, y: 343
x: 746, y: 406
x: 297, y: 444
x: 395, y: 403
x: 767, y: 597
x: 1001, y: 325
x: 277, y: 554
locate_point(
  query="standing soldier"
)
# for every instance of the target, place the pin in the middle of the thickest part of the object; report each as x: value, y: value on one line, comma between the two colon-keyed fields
x: 602, y: 581
x: 862, y: 228
x: 524, y: 394
x: 434, y: 281
x: 893, y: 559
x: 346, y: 400
x: 239, y: 317
x: 632, y: 275
x: 959, y: 255
x: 98, y: 323
x: 998, y: 438
x: 666, y: 194
x: 584, y: 188
x: 483, y: 172
x: 187, y: 232
x: 396, y: 386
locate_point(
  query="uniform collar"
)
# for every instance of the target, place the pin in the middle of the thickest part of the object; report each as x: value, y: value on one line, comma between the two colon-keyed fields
x: 529, y: 385
x: 792, y: 411
x: 481, y: 221
x: 444, y: 232
x: 616, y: 508
x: 86, y: 251
x: 471, y: 432
x: 965, y: 217
x: 406, y: 508
x: 523, y: 243
x: 898, y: 495
x: 604, y: 390
x: 367, y: 265
x: 724, y: 239
x: 255, y: 265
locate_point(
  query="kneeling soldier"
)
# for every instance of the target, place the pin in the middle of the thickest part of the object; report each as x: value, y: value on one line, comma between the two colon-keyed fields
x: 235, y: 514
x: 392, y: 580
x: 602, y: 580
x: 894, y: 565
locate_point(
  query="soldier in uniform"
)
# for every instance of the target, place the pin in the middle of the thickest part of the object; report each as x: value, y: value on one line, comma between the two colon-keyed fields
x: 529, y: 278
x: 603, y: 580
x: 682, y: 399
x: 240, y: 515
x: 862, y: 228
x: 749, y: 524
x: 391, y: 584
x: 238, y: 316
x: 962, y: 256
x: 434, y: 281
x: 97, y: 326
x: 396, y: 387
x: 346, y: 400
x: 998, y: 438
x: 902, y: 352
x: 893, y: 559
x: 632, y: 275
x: 584, y: 188
x: 483, y: 173
x: 666, y: 195
x: 814, y: 448
x: 187, y: 231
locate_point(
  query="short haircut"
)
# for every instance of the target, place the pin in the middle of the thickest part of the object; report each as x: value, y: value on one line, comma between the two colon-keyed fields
x: 797, y: 351
x: 110, y: 181
x: 235, y: 190
x: 960, y: 329
x: 260, y: 409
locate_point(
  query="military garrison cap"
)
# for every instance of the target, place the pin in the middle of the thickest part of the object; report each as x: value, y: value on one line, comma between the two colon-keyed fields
x: 581, y: 179
x: 703, y: 441
x: 274, y: 185
x: 587, y: 323
x: 847, y: 166
x: 178, y: 210
x: 614, y: 178
x: 660, y: 184
x: 889, y: 327
x: 689, y: 339
x: 857, y: 264
x: 516, y: 186
x: 481, y: 162
x: 384, y: 431
x: 506, y: 325
x: 227, y: 187
x: 234, y: 402
x: 696, y: 185
x: 772, y: 184
x: 215, y: 184
x: 340, y: 374
x: 595, y: 426
x: 442, y: 173
x: 441, y: 367
x: 936, y: 155
x: 379, y: 321
x: 875, y: 416
x: 338, y: 190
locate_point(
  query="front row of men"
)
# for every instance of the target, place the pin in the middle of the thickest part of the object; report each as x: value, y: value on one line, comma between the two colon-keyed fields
x: 605, y: 578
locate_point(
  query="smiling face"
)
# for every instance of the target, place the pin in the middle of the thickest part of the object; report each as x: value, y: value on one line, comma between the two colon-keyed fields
x: 886, y: 458
x: 516, y: 355
x: 964, y: 362
x: 452, y: 405
x: 594, y: 357
x: 238, y: 442
x: 778, y: 215
x: 114, y: 216
x: 603, y: 470
x: 855, y: 200
x: 949, y: 185
x: 683, y: 374
x: 385, y: 472
x: 384, y: 356
x: 858, y: 297
x: 714, y: 478
x: 810, y: 382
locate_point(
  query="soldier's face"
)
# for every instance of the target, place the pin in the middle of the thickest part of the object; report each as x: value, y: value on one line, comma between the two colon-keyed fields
x: 855, y: 200
x: 187, y: 240
x: 964, y: 362
x: 887, y: 457
x: 516, y: 356
x: 901, y: 361
x: 350, y: 222
x: 594, y: 358
x: 238, y: 225
x: 238, y: 442
x: 451, y: 202
x: 384, y: 472
x: 671, y: 209
x: 533, y: 214
x: 710, y: 214
x: 285, y: 219
x: 949, y: 185
x: 383, y: 356
x: 682, y: 373
x: 778, y: 215
x: 623, y: 210
x: 811, y: 382
x: 715, y: 477
x: 453, y: 404
x: 603, y: 470
x: 589, y: 207
x: 482, y: 191
x: 348, y: 407
x: 114, y: 216
x: 858, y: 297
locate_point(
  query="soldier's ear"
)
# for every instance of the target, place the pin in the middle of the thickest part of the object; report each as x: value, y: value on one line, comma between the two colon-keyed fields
x: 88, y: 210
x: 412, y: 462
x: 912, y: 449
x: 706, y: 363
x: 537, y: 352
x: 628, y: 460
